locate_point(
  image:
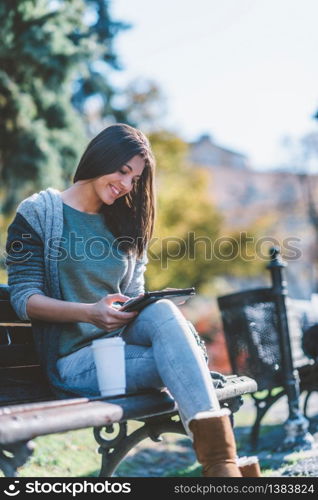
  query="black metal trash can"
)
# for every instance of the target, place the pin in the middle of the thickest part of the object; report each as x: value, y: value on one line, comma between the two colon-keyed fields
x: 251, y: 332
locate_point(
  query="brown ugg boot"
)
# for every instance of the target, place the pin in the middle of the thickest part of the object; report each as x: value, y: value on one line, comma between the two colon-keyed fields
x: 214, y: 444
x: 249, y: 466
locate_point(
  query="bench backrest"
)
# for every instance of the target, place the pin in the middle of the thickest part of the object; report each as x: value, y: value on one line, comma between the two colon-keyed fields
x: 21, y: 377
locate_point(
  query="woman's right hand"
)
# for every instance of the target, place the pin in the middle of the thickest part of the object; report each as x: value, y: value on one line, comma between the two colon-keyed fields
x: 104, y: 316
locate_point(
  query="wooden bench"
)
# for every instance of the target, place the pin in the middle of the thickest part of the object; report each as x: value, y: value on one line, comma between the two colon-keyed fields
x: 28, y: 408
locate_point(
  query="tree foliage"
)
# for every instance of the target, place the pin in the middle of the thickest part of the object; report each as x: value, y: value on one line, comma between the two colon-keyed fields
x: 47, y: 54
x: 93, y: 78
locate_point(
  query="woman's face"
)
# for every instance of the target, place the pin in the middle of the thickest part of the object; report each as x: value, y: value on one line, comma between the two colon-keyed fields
x: 109, y: 187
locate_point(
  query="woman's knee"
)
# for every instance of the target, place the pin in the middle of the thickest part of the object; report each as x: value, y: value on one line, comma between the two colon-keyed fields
x: 161, y: 310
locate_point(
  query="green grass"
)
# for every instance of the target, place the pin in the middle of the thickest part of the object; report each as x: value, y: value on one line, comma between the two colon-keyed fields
x: 64, y: 455
x: 193, y: 470
x: 75, y: 454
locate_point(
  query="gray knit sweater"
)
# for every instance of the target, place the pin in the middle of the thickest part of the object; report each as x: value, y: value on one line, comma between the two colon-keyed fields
x: 32, y: 262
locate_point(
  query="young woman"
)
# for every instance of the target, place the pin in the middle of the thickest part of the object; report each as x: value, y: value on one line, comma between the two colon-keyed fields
x: 72, y: 255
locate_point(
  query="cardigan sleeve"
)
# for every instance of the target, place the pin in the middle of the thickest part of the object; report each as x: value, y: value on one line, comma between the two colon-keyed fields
x: 25, y: 264
x: 137, y: 283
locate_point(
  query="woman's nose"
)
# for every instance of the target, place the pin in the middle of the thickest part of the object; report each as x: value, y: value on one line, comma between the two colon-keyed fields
x: 127, y: 184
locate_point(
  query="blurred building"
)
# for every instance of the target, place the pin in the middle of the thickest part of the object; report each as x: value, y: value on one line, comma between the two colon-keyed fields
x: 205, y: 152
x: 275, y: 202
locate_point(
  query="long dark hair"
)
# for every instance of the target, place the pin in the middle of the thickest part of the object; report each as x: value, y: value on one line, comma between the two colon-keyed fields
x: 131, y: 217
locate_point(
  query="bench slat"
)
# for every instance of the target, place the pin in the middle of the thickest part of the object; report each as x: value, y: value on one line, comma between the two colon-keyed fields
x: 23, y: 427
x: 39, y: 420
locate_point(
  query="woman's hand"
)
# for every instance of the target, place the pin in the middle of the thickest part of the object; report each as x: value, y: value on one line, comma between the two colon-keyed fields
x: 103, y: 315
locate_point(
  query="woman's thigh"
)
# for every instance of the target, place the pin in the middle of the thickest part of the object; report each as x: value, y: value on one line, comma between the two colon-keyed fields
x: 78, y: 370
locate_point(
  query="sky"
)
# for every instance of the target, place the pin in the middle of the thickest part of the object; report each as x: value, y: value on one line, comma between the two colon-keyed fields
x: 243, y: 71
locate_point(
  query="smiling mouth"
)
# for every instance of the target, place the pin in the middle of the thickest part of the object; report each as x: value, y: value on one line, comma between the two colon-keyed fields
x: 114, y: 190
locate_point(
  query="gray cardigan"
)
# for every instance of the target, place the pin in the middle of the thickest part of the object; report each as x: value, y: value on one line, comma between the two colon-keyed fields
x: 32, y: 262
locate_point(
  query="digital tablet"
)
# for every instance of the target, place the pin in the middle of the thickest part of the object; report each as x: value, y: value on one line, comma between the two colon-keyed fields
x: 138, y: 303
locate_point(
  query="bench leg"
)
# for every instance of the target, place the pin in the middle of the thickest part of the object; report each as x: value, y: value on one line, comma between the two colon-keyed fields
x: 309, y: 393
x: 262, y: 406
x: 14, y: 456
x: 113, y: 451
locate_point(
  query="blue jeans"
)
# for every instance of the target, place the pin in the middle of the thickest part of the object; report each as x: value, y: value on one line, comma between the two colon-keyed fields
x: 160, y: 352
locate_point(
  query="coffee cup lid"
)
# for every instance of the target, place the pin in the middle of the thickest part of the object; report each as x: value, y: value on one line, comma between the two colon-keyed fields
x: 109, y: 341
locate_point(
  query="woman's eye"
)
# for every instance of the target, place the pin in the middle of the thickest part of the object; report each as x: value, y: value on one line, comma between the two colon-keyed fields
x: 134, y: 180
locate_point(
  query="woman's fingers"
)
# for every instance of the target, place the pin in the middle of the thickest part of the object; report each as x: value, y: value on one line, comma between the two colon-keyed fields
x: 116, y: 297
x: 117, y: 319
x: 121, y: 316
x: 107, y: 316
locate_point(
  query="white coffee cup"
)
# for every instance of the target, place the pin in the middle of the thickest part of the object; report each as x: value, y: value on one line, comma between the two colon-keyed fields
x: 109, y: 356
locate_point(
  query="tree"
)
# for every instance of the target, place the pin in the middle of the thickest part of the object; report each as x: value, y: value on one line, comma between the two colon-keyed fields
x: 93, y: 82
x: 144, y: 104
x: 47, y: 53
